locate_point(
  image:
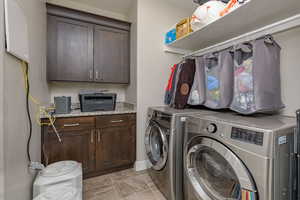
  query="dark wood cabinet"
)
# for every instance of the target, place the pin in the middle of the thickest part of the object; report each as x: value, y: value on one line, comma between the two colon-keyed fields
x: 70, y: 50
x: 78, y: 142
x: 102, y: 144
x: 111, y: 50
x: 115, y: 142
x: 87, y: 48
x: 75, y: 145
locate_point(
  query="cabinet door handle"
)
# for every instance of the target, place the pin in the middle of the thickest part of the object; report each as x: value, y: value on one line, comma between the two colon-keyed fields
x: 92, y: 136
x: 97, y: 75
x: 91, y: 74
x: 99, y: 136
x: 116, y: 121
x: 71, y: 125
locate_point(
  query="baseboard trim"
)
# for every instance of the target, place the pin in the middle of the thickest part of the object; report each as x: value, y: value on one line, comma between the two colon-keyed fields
x: 141, y: 165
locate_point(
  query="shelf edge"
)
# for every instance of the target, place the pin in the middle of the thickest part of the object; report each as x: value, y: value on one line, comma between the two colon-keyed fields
x: 174, y: 50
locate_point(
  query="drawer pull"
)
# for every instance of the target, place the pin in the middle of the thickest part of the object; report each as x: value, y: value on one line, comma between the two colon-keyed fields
x: 91, y: 74
x: 116, y: 121
x: 71, y: 125
x: 97, y: 75
x: 99, y: 136
x: 92, y: 136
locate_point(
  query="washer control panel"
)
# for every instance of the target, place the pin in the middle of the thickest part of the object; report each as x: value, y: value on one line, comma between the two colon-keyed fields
x: 248, y: 136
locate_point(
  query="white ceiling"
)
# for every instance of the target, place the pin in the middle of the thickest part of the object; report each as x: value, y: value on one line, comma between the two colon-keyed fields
x: 123, y: 6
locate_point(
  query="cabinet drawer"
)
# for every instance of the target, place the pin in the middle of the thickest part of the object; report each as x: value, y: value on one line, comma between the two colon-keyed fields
x: 112, y: 121
x: 74, y: 124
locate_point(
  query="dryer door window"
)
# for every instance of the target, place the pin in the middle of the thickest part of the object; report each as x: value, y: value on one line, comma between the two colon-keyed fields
x: 156, y: 145
x: 216, y: 173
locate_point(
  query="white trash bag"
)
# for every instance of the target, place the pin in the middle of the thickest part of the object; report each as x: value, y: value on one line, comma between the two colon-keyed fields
x: 206, y: 14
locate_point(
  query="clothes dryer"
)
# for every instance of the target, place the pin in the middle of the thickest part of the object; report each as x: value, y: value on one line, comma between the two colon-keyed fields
x: 164, y: 148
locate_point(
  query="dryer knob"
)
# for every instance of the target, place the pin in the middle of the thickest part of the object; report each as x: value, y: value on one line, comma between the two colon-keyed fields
x: 212, y: 128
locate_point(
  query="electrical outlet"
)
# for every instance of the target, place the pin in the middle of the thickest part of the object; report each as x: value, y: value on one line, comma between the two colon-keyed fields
x: 36, y: 166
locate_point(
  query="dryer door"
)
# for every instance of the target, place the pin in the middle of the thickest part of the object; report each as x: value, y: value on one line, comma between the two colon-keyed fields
x: 156, y: 143
x: 216, y: 173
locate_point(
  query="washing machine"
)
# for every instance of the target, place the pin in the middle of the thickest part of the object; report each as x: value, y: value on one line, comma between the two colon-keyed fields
x: 164, y: 148
x: 228, y: 156
x: 60, y: 180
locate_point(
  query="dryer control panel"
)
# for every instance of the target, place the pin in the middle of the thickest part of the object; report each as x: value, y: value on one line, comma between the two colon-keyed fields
x: 248, y: 136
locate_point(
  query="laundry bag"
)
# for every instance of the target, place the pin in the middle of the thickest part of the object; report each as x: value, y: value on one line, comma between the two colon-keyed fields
x: 175, y: 83
x: 197, y: 94
x: 219, y: 79
x: 170, y: 87
x: 257, y: 77
x: 184, y: 84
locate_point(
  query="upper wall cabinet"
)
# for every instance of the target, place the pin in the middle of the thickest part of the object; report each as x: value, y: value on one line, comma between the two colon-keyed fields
x: 87, y: 48
x: 70, y: 50
x: 111, y: 61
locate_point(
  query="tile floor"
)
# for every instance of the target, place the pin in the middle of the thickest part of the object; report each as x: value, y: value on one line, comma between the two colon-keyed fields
x: 123, y: 185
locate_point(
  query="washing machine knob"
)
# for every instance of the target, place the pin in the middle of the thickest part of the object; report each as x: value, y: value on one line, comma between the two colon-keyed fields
x: 212, y: 128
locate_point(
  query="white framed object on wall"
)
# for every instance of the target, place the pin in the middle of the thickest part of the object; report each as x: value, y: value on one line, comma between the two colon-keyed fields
x: 16, y: 30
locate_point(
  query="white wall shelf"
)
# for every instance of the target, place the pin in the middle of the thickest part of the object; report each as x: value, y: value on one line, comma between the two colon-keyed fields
x: 249, y: 17
x: 277, y: 27
x: 178, y: 51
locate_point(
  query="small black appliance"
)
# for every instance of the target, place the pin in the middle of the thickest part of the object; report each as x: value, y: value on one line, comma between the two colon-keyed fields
x: 93, y: 101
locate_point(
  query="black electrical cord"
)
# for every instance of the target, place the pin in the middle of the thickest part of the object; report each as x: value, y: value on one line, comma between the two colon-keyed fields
x: 28, y: 113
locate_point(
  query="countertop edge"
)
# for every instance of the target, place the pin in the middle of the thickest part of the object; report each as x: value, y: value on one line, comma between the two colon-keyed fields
x: 122, y: 108
x: 87, y: 114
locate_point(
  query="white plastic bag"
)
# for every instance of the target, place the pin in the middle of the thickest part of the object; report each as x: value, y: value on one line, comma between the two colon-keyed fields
x: 206, y: 14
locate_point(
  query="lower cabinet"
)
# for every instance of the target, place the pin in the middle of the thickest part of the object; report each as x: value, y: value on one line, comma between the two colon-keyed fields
x: 102, y: 144
x: 76, y: 145
x: 114, y: 148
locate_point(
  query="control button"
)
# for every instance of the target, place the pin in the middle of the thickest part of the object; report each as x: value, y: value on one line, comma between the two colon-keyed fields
x: 212, y: 128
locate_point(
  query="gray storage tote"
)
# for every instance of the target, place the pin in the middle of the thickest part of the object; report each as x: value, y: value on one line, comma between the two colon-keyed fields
x: 257, y: 77
x: 197, y: 94
x: 219, y: 79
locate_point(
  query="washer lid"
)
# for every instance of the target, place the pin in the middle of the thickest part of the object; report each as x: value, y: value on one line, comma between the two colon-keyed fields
x: 64, y: 193
x: 60, y: 168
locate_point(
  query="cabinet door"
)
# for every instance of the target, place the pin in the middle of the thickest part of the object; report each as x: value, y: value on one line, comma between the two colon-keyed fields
x: 76, y: 145
x: 111, y: 55
x: 70, y: 50
x: 115, y: 147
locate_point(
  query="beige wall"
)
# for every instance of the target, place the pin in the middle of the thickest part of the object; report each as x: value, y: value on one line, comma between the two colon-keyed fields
x: 153, y: 64
x: 290, y: 69
x: 1, y: 104
x: 73, y: 89
x: 18, y: 179
x: 131, y: 91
